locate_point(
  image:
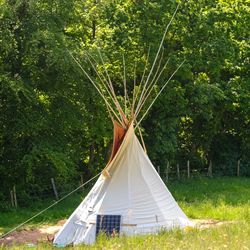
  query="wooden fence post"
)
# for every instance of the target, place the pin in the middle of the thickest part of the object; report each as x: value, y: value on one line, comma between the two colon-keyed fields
x: 210, y: 170
x: 54, y: 188
x: 167, y: 171
x: 188, y: 169
x: 158, y: 170
x: 178, y: 171
x: 81, y: 181
x: 238, y: 168
x: 14, y: 196
x: 166, y: 174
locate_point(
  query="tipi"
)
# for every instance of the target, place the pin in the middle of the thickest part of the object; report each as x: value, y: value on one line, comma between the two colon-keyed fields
x: 129, y: 196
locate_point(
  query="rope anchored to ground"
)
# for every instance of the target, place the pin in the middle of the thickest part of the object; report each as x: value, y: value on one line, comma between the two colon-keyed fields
x: 45, y: 209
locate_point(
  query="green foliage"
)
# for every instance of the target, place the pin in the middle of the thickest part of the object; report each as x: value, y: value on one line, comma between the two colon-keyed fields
x: 54, y: 124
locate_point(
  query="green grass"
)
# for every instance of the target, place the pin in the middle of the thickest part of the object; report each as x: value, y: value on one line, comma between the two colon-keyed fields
x: 235, y: 236
x: 218, y: 198
x: 224, y: 198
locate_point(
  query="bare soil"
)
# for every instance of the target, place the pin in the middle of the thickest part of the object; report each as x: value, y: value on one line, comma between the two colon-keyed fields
x: 47, y: 233
x: 32, y: 236
x: 209, y: 223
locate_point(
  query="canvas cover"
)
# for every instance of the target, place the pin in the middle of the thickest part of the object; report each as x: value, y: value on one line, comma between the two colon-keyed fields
x: 132, y: 189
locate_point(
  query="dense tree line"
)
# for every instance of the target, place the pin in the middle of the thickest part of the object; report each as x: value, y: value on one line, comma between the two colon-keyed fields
x: 54, y: 124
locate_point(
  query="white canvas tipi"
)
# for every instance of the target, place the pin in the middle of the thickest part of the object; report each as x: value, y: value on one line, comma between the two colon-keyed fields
x: 129, y: 197
x: 131, y: 188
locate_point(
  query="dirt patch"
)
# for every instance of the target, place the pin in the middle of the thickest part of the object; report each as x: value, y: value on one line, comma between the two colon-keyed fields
x: 208, y: 223
x: 32, y: 236
x: 47, y: 233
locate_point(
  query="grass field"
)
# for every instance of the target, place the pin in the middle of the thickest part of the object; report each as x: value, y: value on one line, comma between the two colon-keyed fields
x: 226, y: 199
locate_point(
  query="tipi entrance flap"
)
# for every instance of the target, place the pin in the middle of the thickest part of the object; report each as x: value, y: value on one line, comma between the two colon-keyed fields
x: 125, y: 141
x: 119, y: 133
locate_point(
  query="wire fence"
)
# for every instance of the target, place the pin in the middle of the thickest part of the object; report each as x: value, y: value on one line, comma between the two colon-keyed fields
x: 46, y: 193
x: 188, y: 171
x: 54, y: 191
